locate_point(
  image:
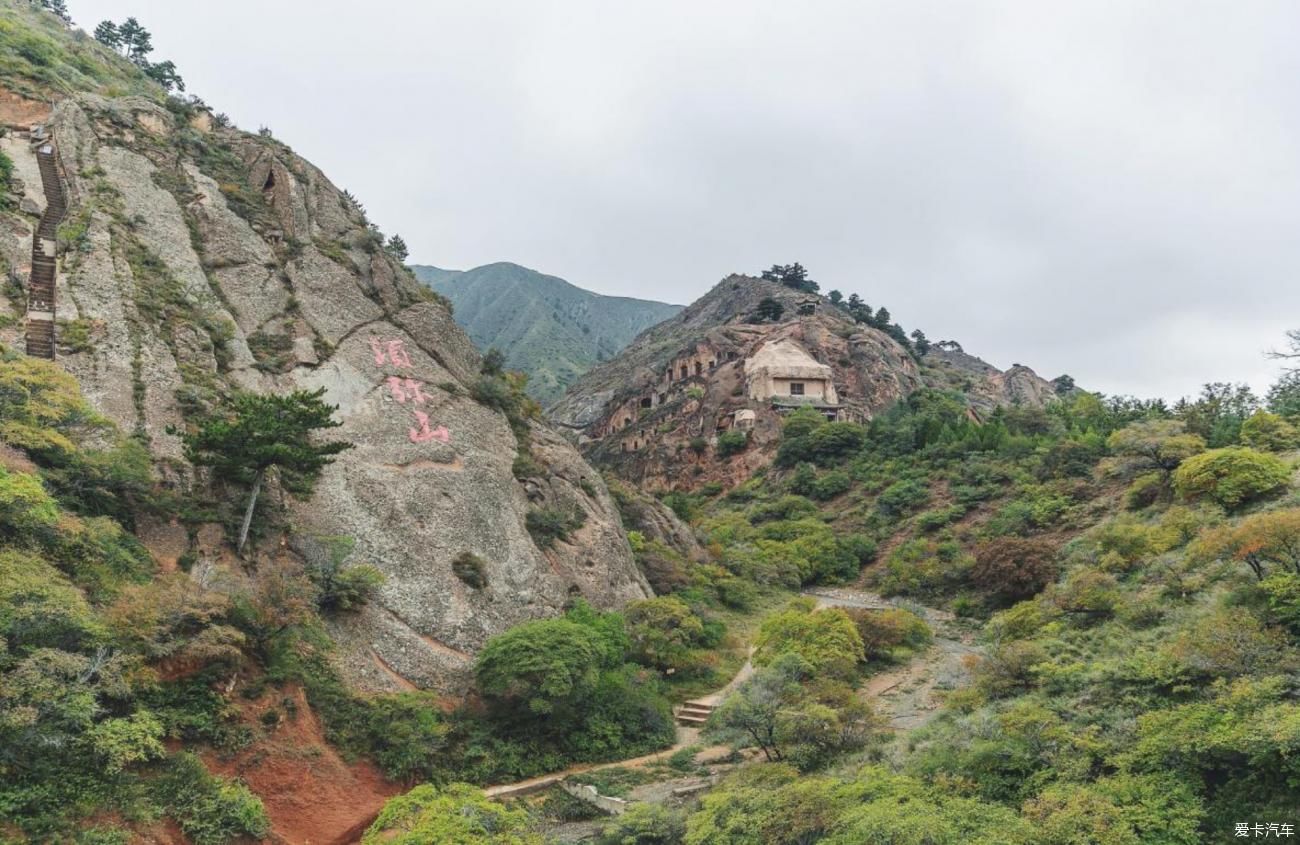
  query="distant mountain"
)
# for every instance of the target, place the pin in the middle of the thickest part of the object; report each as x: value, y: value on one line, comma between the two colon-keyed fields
x: 548, y: 328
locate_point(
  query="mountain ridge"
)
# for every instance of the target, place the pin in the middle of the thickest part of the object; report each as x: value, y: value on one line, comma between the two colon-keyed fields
x: 550, y: 329
x: 683, y: 383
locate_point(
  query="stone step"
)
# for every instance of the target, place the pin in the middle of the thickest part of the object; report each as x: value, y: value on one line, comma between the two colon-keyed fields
x: 700, y: 709
x: 40, y: 331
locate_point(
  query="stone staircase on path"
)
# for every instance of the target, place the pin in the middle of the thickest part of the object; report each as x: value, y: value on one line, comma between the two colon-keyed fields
x: 40, y: 285
x: 695, y: 713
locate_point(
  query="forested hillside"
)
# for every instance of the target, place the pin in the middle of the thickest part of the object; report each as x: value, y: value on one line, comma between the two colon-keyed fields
x: 547, y: 328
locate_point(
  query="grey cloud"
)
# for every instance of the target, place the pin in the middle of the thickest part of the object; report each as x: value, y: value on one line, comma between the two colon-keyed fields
x: 1101, y: 188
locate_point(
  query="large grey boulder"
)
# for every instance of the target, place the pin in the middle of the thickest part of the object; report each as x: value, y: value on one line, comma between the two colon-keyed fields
x: 213, y: 259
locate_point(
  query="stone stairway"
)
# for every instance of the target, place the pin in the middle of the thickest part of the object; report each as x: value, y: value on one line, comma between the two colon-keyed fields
x: 694, y: 713
x: 40, y: 285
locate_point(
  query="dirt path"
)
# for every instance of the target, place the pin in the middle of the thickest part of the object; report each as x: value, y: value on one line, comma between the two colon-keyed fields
x: 908, y: 695
x: 905, y: 695
x: 686, y: 737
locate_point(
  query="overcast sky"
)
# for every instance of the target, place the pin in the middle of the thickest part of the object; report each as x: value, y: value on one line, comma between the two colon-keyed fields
x: 1108, y: 189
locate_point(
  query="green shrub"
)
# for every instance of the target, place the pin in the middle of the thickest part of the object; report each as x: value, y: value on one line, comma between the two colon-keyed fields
x: 807, y: 436
x: 470, y: 569
x: 826, y: 639
x: 1088, y: 595
x: 547, y: 525
x: 1269, y: 432
x: 645, y: 824
x: 664, y: 633
x: 902, y: 497
x: 732, y: 442
x: 1283, y: 594
x: 1035, y: 508
x: 933, y: 520
x: 924, y: 568
x: 808, y: 547
x: 351, y: 588
x: 272, y: 352
x: 784, y: 508
x: 209, y: 809
x: 1146, y: 490
x: 1233, y: 476
x: 736, y: 593
x: 456, y: 813
x: 890, y: 634
x: 830, y: 485
x: 6, y: 176
x: 802, y: 480
x: 525, y: 465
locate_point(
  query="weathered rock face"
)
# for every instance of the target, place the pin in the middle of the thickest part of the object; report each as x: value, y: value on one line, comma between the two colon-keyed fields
x: 653, y: 413
x: 198, y: 259
x: 985, y: 386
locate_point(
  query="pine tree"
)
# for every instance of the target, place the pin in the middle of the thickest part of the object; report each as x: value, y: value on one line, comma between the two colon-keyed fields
x: 835, y: 297
x: 135, y: 41
x: 259, y: 434
x: 164, y: 73
x: 397, y: 248
x: 920, y: 342
x: 107, y: 34
x: 58, y: 7
x: 769, y: 310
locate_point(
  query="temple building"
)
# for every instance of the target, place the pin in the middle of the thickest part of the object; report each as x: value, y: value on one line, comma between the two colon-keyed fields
x: 785, y: 374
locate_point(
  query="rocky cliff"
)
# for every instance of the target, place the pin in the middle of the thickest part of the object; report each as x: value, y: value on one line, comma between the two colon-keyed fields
x: 655, y: 413
x: 196, y: 259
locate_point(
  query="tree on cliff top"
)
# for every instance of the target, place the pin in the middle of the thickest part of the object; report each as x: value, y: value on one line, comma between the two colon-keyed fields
x: 135, y: 42
x: 258, y: 434
x: 792, y: 276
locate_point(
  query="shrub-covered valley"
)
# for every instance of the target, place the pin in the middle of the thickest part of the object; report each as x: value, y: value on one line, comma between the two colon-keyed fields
x: 955, y: 615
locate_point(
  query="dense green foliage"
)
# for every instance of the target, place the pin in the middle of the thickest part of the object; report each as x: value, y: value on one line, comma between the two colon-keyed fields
x: 567, y: 688
x: 82, y: 715
x: 1232, y: 476
x: 1135, y: 570
x: 457, y: 813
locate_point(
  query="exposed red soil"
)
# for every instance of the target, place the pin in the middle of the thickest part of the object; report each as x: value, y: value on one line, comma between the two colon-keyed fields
x: 312, y: 795
x: 20, y: 112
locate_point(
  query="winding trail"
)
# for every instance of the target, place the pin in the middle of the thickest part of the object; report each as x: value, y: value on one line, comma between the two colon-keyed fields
x: 909, y: 694
x: 686, y: 737
x: 906, y: 695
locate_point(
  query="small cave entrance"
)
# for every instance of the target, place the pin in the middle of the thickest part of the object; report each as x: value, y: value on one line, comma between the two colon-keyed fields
x: 269, y: 185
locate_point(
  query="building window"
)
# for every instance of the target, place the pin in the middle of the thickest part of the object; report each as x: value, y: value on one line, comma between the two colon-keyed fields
x: 796, y: 388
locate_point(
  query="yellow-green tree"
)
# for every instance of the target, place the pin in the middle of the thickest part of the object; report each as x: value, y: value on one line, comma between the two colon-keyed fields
x: 456, y: 814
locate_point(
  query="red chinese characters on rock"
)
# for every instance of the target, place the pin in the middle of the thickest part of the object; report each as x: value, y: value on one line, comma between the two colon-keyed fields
x: 393, y: 351
x: 404, y: 389
x: 424, y: 434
